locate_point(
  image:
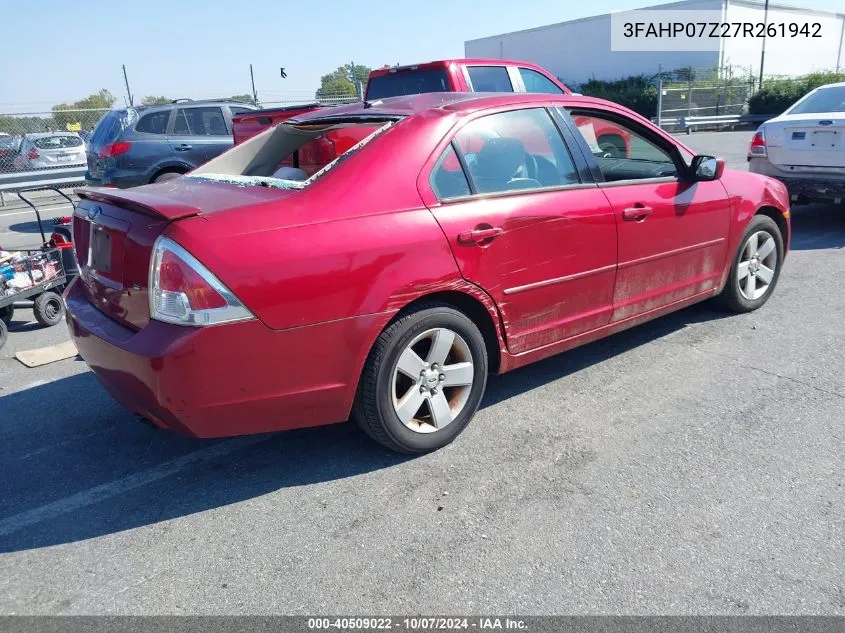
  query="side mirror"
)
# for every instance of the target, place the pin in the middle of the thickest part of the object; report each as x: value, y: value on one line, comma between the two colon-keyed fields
x: 707, y: 168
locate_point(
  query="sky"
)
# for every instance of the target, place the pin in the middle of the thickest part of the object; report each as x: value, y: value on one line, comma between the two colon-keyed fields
x: 56, y: 51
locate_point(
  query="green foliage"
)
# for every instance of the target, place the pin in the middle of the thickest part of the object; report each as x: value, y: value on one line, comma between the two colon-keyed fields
x: 19, y: 125
x: 102, y: 100
x: 778, y: 94
x: 636, y: 93
x: 342, y: 82
x: 244, y: 99
x: 150, y: 100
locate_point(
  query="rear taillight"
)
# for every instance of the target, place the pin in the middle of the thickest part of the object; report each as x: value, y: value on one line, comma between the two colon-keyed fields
x: 114, y: 149
x: 758, y: 144
x: 185, y: 292
x: 32, y: 154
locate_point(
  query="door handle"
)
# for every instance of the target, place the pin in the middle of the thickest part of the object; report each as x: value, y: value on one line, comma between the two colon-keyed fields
x: 476, y: 236
x: 637, y: 213
x: 183, y: 147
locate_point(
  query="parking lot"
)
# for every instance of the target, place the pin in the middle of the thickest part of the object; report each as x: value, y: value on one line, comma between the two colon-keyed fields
x: 692, y: 465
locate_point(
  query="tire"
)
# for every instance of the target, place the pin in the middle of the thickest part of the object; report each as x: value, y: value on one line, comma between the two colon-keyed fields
x: 736, y: 296
x: 384, y: 387
x: 167, y: 175
x: 6, y: 314
x: 49, y: 308
x: 4, y: 333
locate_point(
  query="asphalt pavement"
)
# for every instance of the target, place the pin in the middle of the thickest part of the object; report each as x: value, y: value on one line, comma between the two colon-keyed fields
x: 692, y: 465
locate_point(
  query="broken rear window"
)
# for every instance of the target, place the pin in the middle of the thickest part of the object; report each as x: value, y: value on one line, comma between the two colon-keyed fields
x: 291, y: 155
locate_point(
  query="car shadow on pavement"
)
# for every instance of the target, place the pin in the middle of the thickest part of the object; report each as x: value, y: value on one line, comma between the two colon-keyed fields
x: 818, y: 226
x: 500, y: 388
x: 76, y: 466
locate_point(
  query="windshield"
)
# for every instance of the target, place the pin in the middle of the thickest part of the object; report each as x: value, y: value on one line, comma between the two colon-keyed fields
x: 407, y: 82
x: 830, y: 99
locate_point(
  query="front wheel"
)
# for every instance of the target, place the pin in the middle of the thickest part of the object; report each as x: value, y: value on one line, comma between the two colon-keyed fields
x: 4, y: 334
x: 756, y: 267
x: 6, y: 314
x: 423, y: 380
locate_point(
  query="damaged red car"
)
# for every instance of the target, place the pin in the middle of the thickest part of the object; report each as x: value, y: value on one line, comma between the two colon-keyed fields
x: 455, y: 235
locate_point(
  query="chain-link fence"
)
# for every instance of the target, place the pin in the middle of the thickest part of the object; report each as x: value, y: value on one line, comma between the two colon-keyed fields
x: 44, y: 140
x: 692, y: 92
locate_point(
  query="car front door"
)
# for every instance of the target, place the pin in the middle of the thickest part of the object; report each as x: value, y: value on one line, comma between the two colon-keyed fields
x: 198, y: 134
x: 672, y: 230
x: 527, y: 224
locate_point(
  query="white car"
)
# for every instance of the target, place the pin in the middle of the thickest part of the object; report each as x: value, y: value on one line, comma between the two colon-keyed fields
x: 50, y: 149
x: 805, y: 146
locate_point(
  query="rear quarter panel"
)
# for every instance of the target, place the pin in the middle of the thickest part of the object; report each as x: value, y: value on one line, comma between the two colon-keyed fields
x: 357, y: 241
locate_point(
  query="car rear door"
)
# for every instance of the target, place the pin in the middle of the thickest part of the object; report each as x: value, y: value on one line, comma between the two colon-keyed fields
x: 526, y: 223
x: 672, y: 231
x: 198, y: 134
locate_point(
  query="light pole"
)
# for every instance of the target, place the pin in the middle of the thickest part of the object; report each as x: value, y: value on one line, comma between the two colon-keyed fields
x: 763, y: 51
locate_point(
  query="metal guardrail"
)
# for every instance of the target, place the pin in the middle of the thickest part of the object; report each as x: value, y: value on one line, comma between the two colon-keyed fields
x: 687, y: 123
x: 42, y: 178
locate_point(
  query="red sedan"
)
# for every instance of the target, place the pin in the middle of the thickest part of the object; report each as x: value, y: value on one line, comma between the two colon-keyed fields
x: 458, y: 235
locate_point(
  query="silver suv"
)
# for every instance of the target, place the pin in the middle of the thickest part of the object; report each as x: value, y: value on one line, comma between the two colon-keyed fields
x: 136, y: 146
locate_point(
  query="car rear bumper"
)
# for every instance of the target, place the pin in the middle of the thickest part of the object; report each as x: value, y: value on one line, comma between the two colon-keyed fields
x: 113, y: 179
x: 816, y: 186
x: 225, y: 380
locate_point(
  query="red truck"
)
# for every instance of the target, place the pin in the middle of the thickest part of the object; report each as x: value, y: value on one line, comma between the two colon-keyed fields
x: 448, y: 75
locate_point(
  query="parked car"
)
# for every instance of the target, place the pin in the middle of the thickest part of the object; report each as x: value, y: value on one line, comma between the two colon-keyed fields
x: 44, y: 150
x: 449, y: 75
x: 805, y: 146
x: 136, y: 146
x: 235, y: 301
x: 9, y: 146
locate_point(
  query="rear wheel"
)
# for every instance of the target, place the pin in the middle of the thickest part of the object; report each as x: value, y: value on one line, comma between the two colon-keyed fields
x: 756, y: 267
x: 423, y: 380
x: 6, y: 314
x: 48, y: 308
x: 4, y: 333
x: 167, y: 175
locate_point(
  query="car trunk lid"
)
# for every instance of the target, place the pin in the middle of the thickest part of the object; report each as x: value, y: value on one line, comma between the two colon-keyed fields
x: 807, y: 142
x: 114, y: 232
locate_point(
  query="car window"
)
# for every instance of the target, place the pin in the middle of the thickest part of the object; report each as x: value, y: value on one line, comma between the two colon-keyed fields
x: 205, y: 121
x: 407, y: 82
x: 111, y: 125
x: 829, y: 99
x: 536, y: 82
x: 57, y: 142
x: 623, y: 151
x: 238, y: 110
x: 153, y: 122
x: 489, y: 79
x: 448, y: 178
x: 509, y: 151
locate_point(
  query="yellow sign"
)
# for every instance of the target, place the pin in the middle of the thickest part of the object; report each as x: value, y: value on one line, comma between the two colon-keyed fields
x: 74, y: 127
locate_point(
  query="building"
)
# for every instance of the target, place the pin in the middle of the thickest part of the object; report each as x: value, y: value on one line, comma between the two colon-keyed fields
x: 579, y: 50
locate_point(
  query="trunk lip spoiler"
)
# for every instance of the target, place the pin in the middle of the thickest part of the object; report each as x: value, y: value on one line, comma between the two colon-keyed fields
x: 148, y: 204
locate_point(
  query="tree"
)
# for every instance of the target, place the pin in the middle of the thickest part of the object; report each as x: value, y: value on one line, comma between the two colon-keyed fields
x: 342, y: 82
x: 244, y: 99
x: 150, y: 100
x: 102, y: 100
